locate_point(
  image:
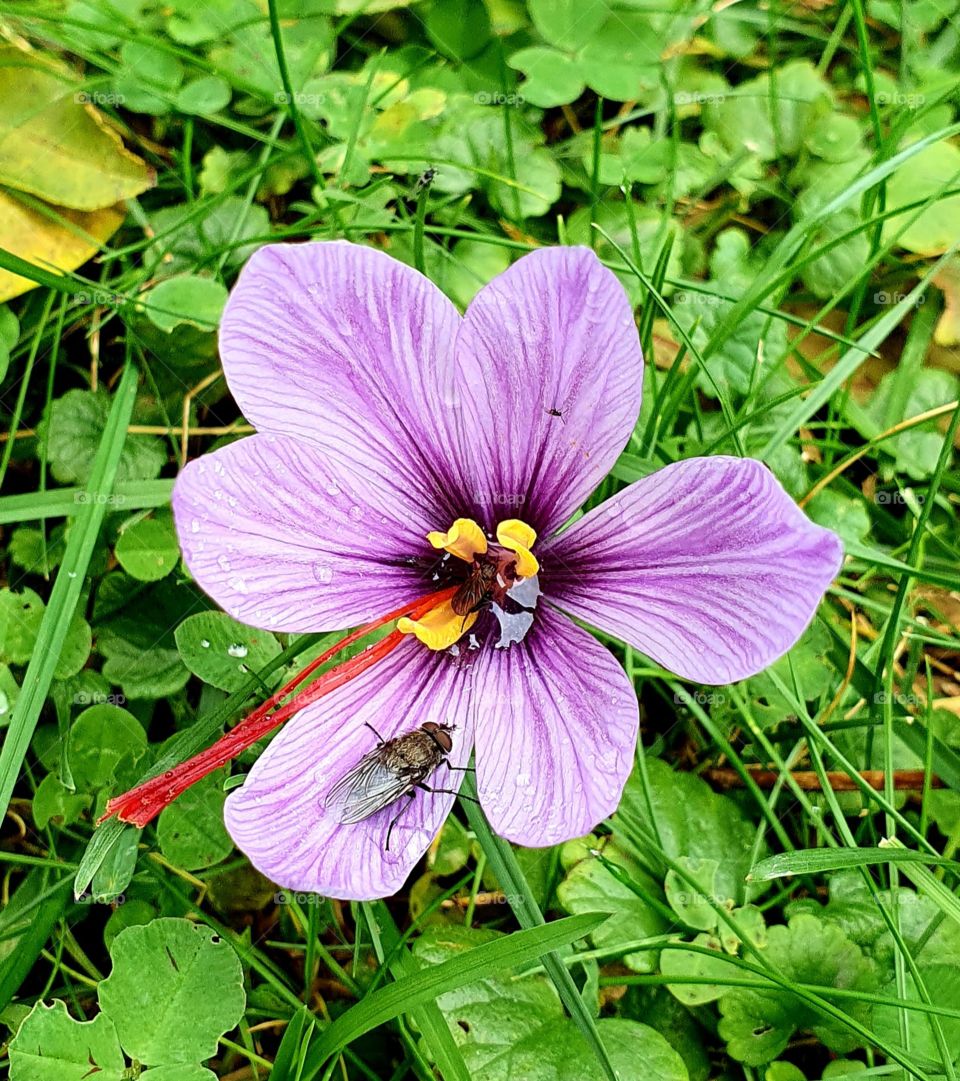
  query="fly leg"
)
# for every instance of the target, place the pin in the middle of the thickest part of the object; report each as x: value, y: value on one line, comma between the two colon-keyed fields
x: 395, y: 819
x: 447, y: 792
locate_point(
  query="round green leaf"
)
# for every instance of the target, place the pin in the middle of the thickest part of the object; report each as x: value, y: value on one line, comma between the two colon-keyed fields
x: 71, y: 432
x: 51, y: 1046
x: 191, y: 830
x: 221, y: 651
x: 622, y: 59
x: 148, y: 549
x: 459, y: 28
x: 932, y: 171
x: 148, y: 79
x: 552, y: 78
x: 133, y: 913
x: 186, y: 299
x: 20, y: 617
x: 76, y: 648
x: 53, y: 801
x: 175, y: 989
x: 567, y: 23
x: 100, y: 737
x: 203, y: 96
x: 140, y: 672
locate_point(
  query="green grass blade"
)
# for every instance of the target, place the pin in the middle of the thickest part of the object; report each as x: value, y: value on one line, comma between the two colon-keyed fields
x: 815, y: 860
x: 67, y: 588
x: 427, y: 1017
x: 504, y: 865
x: 66, y: 502
x: 424, y: 986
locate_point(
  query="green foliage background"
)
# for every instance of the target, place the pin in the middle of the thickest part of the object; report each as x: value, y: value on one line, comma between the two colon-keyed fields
x: 778, y: 188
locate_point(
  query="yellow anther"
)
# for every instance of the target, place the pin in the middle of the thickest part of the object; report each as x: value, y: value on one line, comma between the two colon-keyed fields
x: 440, y: 627
x: 519, y: 538
x: 464, y: 539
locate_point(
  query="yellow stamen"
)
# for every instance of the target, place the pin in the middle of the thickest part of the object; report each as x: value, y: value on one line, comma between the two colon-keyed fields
x: 519, y: 538
x: 440, y: 627
x: 464, y: 540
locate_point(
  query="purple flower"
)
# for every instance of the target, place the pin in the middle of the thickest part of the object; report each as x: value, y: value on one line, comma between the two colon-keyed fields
x: 400, y: 449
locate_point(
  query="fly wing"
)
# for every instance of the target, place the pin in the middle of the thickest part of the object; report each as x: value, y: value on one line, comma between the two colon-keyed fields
x: 367, y: 788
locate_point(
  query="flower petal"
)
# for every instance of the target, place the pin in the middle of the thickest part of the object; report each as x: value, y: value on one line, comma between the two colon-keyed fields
x: 556, y: 726
x: 338, y: 342
x: 278, y: 817
x: 553, y: 334
x: 284, y: 536
x: 707, y: 566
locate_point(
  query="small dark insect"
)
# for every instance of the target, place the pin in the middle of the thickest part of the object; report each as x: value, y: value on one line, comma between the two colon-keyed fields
x: 425, y: 180
x: 555, y: 413
x: 394, y: 768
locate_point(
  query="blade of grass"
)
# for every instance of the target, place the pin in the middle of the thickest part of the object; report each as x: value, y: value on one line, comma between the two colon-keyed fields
x: 425, y: 985
x: 847, y: 365
x: 66, y: 502
x: 427, y: 1017
x: 67, y: 587
x: 507, y: 870
x: 816, y: 860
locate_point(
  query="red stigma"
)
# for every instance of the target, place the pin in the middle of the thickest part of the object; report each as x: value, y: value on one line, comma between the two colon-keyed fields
x: 142, y: 804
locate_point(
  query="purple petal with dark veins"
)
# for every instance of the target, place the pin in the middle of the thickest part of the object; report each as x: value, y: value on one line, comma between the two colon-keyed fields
x: 554, y: 334
x: 556, y: 726
x: 707, y: 566
x: 339, y: 343
x: 279, y: 817
x: 287, y: 537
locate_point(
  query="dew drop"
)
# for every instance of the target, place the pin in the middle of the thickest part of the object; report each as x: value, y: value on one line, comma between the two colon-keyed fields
x: 204, y: 643
x: 237, y: 650
x: 195, y: 525
x: 223, y: 563
x: 332, y: 489
x: 323, y: 573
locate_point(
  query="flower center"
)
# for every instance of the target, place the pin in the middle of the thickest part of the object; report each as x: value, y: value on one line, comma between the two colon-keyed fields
x: 500, y: 577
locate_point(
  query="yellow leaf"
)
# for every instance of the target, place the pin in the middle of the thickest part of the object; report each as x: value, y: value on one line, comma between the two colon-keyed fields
x: 53, y: 245
x: 948, y: 282
x: 55, y: 145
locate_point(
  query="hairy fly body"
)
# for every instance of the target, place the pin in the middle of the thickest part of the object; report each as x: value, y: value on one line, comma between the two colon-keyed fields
x: 394, y: 768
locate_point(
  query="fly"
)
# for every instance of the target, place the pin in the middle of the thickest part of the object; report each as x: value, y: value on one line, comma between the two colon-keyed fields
x: 425, y: 180
x: 394, y: 768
